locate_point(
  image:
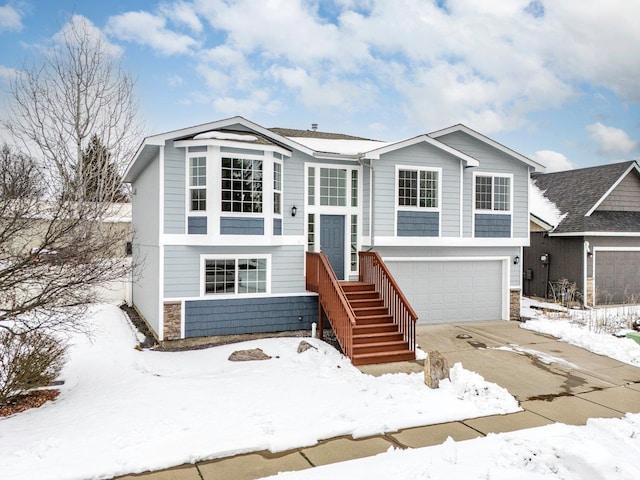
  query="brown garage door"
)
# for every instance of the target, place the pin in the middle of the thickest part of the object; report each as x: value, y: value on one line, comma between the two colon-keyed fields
x: 617, y: 277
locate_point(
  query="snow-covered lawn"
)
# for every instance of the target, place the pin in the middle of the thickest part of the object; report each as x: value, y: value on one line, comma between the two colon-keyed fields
x: 602, y: 449
x: 590, y: 329
x: 122, y: 410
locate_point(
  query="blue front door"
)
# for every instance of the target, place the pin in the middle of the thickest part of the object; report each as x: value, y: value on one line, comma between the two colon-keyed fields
x: 332, y: 242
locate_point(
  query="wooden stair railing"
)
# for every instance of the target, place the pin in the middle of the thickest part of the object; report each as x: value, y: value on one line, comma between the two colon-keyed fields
x: 373, y: 270
x: 332, y: 301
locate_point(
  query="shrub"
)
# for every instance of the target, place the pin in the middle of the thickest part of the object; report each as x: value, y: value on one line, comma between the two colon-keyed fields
x: 27, y: 361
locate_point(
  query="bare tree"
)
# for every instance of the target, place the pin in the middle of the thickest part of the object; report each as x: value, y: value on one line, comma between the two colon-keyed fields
x: 55, y: 246
x: 76, y: 91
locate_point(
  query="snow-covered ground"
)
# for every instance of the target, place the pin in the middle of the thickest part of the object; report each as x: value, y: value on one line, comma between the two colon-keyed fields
x: 122, y: 410
x: 602, y: 449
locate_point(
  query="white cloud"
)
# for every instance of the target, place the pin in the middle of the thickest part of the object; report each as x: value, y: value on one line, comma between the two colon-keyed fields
x: 554, y: 161
x: 182, y: 13
x: 147, y: 29
x: 7, y: 73
x: 78, y: 26
x: 258, y: 102
x: 175, y: 81
x: 10, y: 19
x: 610, y: 139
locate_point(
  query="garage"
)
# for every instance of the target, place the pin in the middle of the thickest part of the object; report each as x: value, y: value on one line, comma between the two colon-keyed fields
x: 617, y: 276
x: 452, y: 290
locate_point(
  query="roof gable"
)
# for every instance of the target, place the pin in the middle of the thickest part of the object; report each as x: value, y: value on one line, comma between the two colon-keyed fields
x: 375, y: 154
x: 478, y: 136
x: 578, y: 193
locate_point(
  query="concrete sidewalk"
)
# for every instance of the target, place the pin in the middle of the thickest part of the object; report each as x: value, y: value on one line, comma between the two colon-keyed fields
x: 578, y: 386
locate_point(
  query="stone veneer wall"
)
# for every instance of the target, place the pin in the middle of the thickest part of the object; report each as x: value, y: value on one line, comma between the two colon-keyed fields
x: 590, y: 291
x: 514, y: 305
x: 172, y: 320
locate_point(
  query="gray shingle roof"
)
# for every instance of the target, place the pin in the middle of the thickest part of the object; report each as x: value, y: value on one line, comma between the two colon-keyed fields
x: 292, y: 132
x: 575, y: 192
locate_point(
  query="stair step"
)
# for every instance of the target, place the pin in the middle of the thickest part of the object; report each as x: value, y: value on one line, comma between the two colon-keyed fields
x: 370, y: 311
x: 375, y: 328
x: 366, y: 302
x: 379, y: 337
x: 357, y: 287
x: 383, y: 357
x: 373, y: 319
x: 392, y: 346
x: 363, y: 296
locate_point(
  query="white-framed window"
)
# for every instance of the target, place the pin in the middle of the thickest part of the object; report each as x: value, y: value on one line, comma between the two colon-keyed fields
x: 277, y: 188
x: 418, y: 188
x: 493, y: 192
x: 198, y: 184
x: 333, y: 186
x: 241, y: 187
x: 235, y: 275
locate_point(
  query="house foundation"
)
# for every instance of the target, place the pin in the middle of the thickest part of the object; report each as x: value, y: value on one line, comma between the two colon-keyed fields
x: 514, y: 304
x: 172, y: 321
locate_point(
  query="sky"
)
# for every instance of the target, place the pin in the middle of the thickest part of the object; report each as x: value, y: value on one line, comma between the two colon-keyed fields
x: 555, y: 80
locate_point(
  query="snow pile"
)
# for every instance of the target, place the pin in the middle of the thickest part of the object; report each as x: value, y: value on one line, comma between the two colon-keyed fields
x: 542, y: 207
x: 337, y: 146
x: 603, y: 448
x: 218, y: 135
x: 122, y: 410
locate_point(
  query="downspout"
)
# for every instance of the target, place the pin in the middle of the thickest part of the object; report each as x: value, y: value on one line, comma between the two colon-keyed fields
x: 371, y: 197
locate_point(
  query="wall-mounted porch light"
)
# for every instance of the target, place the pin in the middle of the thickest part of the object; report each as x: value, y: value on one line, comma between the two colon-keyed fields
x: 294, y: 210
x: 516, y: 260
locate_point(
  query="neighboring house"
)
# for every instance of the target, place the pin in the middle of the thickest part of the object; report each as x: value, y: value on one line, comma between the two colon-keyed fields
x: 224, y: 212
x: 585, y: 225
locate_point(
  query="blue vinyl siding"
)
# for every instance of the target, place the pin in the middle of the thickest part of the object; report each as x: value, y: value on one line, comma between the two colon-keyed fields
x: 418, y: 224
x: 241, y: 226
x: 249, y: 315
x: 174, y: 189
x: 489, y: 225
x: 277, y: 226
x: 197, y: 225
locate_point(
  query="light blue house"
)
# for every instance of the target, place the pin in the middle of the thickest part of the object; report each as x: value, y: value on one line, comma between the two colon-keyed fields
x: 225, y: 212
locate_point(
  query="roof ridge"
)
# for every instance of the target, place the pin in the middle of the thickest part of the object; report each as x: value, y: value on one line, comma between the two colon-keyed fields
x: 294, y: 132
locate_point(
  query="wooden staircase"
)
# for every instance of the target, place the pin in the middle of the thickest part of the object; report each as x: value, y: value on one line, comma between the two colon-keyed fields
x: 376, y: 338
x: 371, y: 319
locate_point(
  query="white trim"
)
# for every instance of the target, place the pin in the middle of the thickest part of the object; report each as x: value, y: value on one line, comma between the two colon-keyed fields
x: 461, y: 201
x: 259, y: 148
x: 451, y: 241
x: 475, y: 211
x: 375, y: 154
x: 161, y: 244
x: 232, y: 240
x: 221, y: 256
x: 585, y: 261
x: 417, y: 208
x: 478, y: 136
x: 505, y: 280
x: 633, y: 166
x: 241, y: 296
x: 615, y: 249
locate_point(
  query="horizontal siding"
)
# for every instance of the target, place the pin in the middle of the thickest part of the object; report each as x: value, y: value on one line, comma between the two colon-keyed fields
x: 418, y: 224
x: 493, y: 161
x: 146, y: 287
x: 241, y: 226
x: 197, y: 225
x: 293, y: 193
x: 492, y: 226
x: 249, y: 315
x: 625, y: 197
x: 420, y: 155
x: 174, y: 189
x: 182, y: 267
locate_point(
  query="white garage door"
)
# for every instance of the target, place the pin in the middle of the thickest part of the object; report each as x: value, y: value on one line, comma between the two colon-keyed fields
x: 451, y: 291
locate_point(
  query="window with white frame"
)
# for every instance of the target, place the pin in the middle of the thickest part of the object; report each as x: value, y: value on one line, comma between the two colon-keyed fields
x: 493, y: 193
x: 419, y: 188
x: 239, y: 275
x: 277, y: 188
x: 333, y: 186
x: 241, y: 185
x: 197, y: 184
